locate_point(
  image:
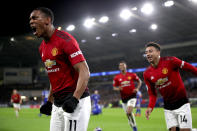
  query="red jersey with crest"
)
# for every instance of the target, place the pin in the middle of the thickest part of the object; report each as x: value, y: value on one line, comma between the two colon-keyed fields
x: 167, y: 80
x: 16, y: 98
x: 127, y: 83
x: 59, y: 55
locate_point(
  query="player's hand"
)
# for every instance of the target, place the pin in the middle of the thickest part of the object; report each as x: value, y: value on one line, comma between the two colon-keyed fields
x: 120, y: 88
x: 46, y: 108
x: 135, y: 90
x: 70, y: 105
x: 148, y: 112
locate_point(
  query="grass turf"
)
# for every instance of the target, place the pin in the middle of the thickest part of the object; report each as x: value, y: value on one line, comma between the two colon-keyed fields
x: 113, y: 119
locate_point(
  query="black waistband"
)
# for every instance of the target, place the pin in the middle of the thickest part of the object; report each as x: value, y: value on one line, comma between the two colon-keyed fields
x: 175, y: 105
x: 125, y: 100
x: 58, y: 101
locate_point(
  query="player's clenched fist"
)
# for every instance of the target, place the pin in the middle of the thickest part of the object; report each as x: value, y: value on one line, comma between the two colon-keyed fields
x: 46, y: 108
x: 148, y: 112
x: 70, y: 104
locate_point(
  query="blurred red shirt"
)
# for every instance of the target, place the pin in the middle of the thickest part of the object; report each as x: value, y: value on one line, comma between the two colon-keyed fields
x: 127, y: 83
x: 16, y: 98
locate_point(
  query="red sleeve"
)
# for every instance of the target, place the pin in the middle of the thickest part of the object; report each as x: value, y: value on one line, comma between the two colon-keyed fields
x: 71, y: 48
x: 135, y: 77
x: 115, y: 82
x: 151, y: 92
x: 184, y: 65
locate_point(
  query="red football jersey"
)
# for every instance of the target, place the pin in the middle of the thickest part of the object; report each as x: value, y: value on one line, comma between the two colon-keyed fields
x: 127, y: 83
x: 59, y: 55
x: 166, y: 78
x: 16, y: 98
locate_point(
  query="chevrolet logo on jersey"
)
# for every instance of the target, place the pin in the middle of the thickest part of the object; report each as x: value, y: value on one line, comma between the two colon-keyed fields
x: 49, y: 63
x: 161, y: 81
x: 125, y: 82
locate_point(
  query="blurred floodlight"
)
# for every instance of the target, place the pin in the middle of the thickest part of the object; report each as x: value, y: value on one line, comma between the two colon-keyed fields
x: 98, y: 38
x: 195, y: 1
x: 12, y: 39
x: 125, y: 14
x: 23, y: 97
x: 89, y: 22
x: 147, y: 9
x: 169, y: 3
x: 134, y: 8
x: 104, y: 19
x: 59, y: 28
x: 132, y: 31
x: 83, y: 41
x: 70, y: 28
x: 35, y: 98
x: 114, y: 34
x: 154, y: 26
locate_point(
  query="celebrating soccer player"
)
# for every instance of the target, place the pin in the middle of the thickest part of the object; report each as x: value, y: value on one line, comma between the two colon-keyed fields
x: 16, y: 100
x: 163, y: 75
x: 124, y: 82
x: 96, y: 109
x: 68, y: 73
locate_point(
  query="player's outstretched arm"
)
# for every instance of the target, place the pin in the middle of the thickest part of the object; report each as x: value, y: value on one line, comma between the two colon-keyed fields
x: 71, y: 104
x: 84, y: 75
x: 50, y: 97
x: 139, y: 83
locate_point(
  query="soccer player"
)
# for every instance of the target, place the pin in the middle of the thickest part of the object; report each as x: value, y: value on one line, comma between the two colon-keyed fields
x: 96, y: 109
x: 124, y: 82
x: 138, y: 103
x: 68, y: 73
x: 163, y: 75
x: 16, y: 100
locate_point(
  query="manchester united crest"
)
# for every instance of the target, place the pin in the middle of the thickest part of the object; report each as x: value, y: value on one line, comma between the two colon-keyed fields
x: 54, y: 51
x: 129, y: 78
x: 164, y: 70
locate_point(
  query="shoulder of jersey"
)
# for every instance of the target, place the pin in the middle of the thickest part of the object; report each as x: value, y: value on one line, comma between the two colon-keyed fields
x: 117, y: 75
x: 130, y: 73
x: 147, y: 69
x: 63, y: 35
x: 167, y: 58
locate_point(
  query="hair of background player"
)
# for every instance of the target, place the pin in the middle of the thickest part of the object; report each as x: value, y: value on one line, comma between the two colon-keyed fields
x: 122, y: 61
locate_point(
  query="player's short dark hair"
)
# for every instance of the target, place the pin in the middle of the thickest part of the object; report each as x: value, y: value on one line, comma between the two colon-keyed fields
x: 47, y: 12
x: 154, y: 44
x: 122, y: 61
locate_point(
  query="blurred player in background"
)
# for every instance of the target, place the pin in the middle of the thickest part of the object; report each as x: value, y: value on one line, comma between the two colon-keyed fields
x: 45, y: 95
x: 16, y: 100
x: 96, y: 108
x: 138, y: 103
x: 68, y: 73
x: 163, y: 75
x: 124, y: 82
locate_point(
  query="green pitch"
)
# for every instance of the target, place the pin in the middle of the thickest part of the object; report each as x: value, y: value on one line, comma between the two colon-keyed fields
x: 111, y: 120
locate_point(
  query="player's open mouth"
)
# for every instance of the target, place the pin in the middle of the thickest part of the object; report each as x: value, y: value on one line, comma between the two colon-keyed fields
x: 149, y: 58
x: 34, y: 30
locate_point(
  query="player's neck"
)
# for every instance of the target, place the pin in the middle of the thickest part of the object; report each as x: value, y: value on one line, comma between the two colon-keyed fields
x: 49, y: 33
x: 156, y: 62
x: 124, y: 72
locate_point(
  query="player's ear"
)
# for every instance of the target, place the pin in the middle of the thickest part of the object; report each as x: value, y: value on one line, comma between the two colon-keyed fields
x: 48, y: 20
